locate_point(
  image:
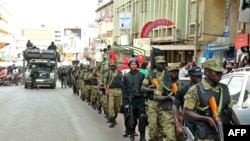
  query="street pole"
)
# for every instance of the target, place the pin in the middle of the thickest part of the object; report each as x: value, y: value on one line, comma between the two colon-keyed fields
x: 196, y: 39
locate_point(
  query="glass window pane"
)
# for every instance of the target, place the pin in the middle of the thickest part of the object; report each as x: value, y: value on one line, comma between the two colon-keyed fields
x: 235, y: 86
x: 246, y: 99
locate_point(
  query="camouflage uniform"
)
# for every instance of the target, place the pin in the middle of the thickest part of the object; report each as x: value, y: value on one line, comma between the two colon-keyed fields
x: 94, y: 90
x: 88, y: 85
x: 168, y: 123
x: 112, y: 79
x: 80, y: 83
x: 191, y: 99
x: 156, y: 114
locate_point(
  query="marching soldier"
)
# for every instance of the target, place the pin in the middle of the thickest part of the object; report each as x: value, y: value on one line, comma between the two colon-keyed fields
x: 94, y: 90
x: 113, y: 85
x: 80, y: 82
x: 195, y: 75
x: 100, y: 87
x: 155, y: 124
x: 164, y: 94
x: 197, y: 104
x: 88, y: 84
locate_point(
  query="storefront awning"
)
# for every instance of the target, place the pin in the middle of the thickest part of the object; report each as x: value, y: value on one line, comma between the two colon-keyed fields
x: 210, y: 48
x: 174, y: 47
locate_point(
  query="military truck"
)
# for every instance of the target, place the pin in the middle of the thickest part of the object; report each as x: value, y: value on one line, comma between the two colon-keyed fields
x: 46, y: 64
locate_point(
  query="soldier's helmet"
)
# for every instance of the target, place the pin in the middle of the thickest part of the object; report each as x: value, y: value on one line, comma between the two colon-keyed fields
x: 172, y: 67
x: 160, y: 59
x: 214, y: 64
x: 33, y: 66
x: 133, y: 60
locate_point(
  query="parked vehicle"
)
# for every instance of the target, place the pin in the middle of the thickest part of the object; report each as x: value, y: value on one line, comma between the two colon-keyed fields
x: 238, y: 82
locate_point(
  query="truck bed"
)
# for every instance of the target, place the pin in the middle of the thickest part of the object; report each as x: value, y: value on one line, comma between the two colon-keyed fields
x: 39, y: 54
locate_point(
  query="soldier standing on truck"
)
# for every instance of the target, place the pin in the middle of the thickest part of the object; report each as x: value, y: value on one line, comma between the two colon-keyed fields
x: 34, y: 75
x: 29, y: 45
x: 52, y: 46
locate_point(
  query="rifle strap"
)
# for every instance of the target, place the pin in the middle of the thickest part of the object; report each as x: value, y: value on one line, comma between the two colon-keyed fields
x: 111, y: 77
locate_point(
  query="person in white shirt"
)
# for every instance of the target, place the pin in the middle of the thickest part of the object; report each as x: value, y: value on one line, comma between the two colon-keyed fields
x: 183, y: 69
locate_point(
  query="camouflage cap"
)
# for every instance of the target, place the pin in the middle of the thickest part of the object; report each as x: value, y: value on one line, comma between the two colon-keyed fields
x: 160, y: 59
x: 173, y: 67
x: 214, y: 64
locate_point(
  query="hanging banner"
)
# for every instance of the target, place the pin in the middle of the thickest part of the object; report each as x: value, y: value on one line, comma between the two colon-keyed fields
x: 241, y: 40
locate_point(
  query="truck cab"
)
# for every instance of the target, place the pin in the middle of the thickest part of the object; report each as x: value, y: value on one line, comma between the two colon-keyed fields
x: 46, y: 64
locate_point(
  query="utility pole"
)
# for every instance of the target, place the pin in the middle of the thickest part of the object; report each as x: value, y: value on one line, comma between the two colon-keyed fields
x: 196, y: 39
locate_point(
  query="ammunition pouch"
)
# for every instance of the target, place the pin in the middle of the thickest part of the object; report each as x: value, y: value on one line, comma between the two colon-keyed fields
x: 204, y: 131
x: 166, y: 105
x: 95, y: 82
x: 87, y: 82
x: 115, y: 84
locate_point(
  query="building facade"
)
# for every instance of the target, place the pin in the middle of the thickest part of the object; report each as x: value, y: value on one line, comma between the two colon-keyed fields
x: 200, y: 29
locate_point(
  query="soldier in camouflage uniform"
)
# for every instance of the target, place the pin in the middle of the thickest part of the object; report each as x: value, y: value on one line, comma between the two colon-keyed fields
x: 113, y: 83
x: 88, y: 84
x: 165, y: 95
x: 196, y: 105
x: 94, y: 90
x: 104, y: 100
x: 99, y: 91
x: 155, y: 113
x: 80, y: 82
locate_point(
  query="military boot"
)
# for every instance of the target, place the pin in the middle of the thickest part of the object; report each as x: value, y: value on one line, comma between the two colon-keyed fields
x: 142, y: 136
x: 115, y: 119
x: 112, y: 122
x: 99, y: 109
x: 132, y: 138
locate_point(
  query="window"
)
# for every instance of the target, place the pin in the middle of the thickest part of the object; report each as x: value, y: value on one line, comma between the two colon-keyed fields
x: 235, y: 86
x: 246, y: 99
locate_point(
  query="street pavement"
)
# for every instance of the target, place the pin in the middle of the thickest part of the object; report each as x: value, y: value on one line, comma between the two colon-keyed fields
x: 52, y: 115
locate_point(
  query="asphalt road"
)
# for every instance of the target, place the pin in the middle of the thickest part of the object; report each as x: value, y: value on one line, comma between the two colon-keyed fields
x: 52, y: 115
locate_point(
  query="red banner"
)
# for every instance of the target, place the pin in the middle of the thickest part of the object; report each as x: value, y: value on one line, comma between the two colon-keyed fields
x: 241, y: 40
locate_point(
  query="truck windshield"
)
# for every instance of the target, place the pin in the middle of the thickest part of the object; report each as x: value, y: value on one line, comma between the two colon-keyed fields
x: 43, y: 66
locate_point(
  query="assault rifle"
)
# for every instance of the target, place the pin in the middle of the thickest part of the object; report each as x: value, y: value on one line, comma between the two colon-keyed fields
x: 188, y: 134
x: 130, y: 111
x: 216, y: 116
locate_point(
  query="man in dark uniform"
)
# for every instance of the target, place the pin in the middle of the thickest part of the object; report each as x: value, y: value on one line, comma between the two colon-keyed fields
x: 196, y: 105
x: 34, y: 74
x: 63, y: 76
x: 195, y: 75
x: 133, y: 98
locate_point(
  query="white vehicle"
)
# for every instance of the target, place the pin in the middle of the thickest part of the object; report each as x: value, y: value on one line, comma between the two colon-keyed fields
x: 238, y: 83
